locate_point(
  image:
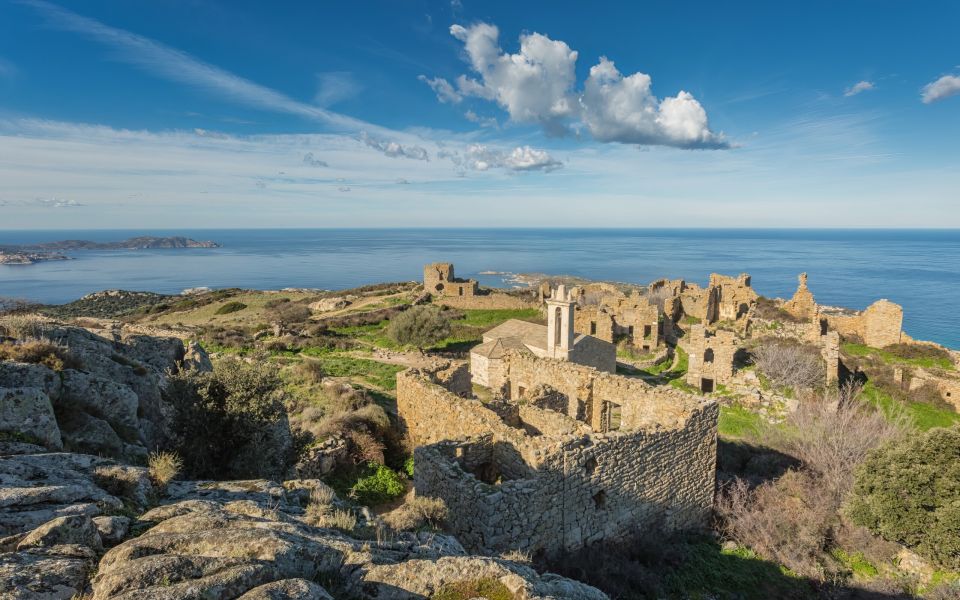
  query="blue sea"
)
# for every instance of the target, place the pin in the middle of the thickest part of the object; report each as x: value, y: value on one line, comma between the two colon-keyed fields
x: 919, y: 269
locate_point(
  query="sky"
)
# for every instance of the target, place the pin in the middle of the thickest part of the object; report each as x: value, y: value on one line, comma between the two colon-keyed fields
x: 200, y: 113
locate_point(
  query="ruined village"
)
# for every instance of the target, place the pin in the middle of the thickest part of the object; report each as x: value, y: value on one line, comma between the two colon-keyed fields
x: 439, y: 439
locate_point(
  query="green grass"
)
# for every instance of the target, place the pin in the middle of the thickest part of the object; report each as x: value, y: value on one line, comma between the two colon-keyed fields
x: 491, y: 589
x: 688, y: 320
x: 927, y: 362
x: 375, y: 373
x: 738, y: 422
x: 923, y: 415
x: 856, y: 563
x: 488, y: 318
x: 709, y: 572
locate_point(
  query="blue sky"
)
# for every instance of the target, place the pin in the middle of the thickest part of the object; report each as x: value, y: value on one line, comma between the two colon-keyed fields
x: 706, y: 114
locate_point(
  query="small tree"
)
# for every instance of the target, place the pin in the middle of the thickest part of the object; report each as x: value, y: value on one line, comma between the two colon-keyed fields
x: 909, y: 491
x: 231, y: 423
x: 419, y: 326
x: 284, y: 314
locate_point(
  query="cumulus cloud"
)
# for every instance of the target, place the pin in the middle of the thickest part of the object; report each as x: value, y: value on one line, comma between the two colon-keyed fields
x: 946, y: 86
x: 538, y: 85
x: 442, y: 88
x: 481, y: 121
x: 310, y: 161
x: 394, y: 149
x: 523, y: 158
x: 858, y: 88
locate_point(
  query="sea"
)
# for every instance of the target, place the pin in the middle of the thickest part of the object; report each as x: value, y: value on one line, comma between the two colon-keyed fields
x: 919, y: 269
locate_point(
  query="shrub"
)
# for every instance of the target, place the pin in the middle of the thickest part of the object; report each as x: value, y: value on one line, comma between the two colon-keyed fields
x: 382, y: 485
x: 231, y: 423
x: 331, y: 518
x: 230, y: 307
x: 163, y: 467
x: 408, y: 467
x: 364, y: 447
x: 288, y: 313
x: 417, y: 512
x: 309, y: 371
x: 491, y: 589
x: 790, y: 365
x: 909, y: 491
x: 41, y: 352
x: 419, y: 326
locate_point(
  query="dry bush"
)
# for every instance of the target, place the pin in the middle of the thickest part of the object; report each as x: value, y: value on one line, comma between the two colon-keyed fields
x: 309, y: 371
x: 41, y: 352
x: 344, y: 397
x: 832, y: 435
x: 795, y: 519
x: 790, y: 365
x: 322, y: 495
x: 364, y: 447
x: 163, y: 467
x: 659, y: 297
x: 417, y: 512
x: 328, y: 517
x: 522, y: 557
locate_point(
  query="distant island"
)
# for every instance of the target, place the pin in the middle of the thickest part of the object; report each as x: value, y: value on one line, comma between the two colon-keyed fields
x: 34, y: 253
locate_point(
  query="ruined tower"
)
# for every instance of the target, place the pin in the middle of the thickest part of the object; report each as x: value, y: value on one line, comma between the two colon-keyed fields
x: 560, y: 323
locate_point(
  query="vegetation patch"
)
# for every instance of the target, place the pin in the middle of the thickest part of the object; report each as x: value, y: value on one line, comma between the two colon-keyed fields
x: 917, y: 355
x: 922, y: 415
x: 40, y: 352
x: 739, y: 422
x: 230, y: 307
x: 491, y: 589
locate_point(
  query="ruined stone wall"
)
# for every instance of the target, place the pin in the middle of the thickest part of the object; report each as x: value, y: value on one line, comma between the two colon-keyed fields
x: 711, y: 357
x: 734, y: 296
x: 880, y: 325
x: 585, y: 490
x: 595, y: 353
x: 595, y: 321
x: 802, y: 305
x: 488, y: 301
x: 439, y: 279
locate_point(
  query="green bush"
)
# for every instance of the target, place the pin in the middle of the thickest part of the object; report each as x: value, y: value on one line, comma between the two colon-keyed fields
x: 231, y: 423
x: 909, y: 492
x: 382, y: 485
x: 230, y: 307
x: 419, y: 326
x: 408, y: 467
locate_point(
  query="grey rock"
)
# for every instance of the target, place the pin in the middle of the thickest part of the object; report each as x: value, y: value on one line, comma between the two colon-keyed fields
x: 73, y: 530
x: 56, y: 573
x: 196, y: 358
x: 113, y: 529
x: 28, y: 411
x: 288, y: 589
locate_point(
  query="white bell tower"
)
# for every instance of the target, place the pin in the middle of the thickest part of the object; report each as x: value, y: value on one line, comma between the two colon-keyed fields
x: 560, y: 324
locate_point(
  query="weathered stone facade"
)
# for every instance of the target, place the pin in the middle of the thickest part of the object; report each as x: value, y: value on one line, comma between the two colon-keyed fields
x: 711, y: 357
x: 880, y: 325
x: 802, y: 305
x: 577, y: 457
x: 612, y: 315
x: 439, y: 279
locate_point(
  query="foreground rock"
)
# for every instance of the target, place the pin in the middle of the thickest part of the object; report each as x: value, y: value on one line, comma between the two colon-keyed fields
x: 212, y: 540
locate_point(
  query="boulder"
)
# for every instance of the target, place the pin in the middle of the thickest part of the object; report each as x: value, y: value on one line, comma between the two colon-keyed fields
x: 73, y: 530
x: 196, y: 358
x: 113, y: 402
x: 288, y: 589
x: 55, y: 573
x: 28, y: 412
x: 113, y: 529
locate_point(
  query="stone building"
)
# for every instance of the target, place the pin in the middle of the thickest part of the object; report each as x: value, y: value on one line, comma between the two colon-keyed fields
x: 572, y: 457
x: 711, y: 358
x: 613, y: 316
x: 439, y: 280
x: 724, y: 299
x: 555, y: 340
x: 802, y: 305
x: 880, y: 325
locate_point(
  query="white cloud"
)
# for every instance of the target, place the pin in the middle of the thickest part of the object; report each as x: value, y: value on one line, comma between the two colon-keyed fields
x: 394, y: 149
x: 335, y: 86
x: 442, y: 88
x: 402, y: 181
x: 178, y: 66
x: 858, y: 87
x: 538, y: 85
x: 310, y: 161
x: 523, y: 158
x: 481, y: 121
x: 946, y: 86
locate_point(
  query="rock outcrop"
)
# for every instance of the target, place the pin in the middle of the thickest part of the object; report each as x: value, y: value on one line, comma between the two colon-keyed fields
x: 110, y: 405
x: 250, y: 540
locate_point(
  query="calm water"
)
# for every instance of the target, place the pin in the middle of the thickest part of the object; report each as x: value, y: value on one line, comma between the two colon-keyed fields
x: 918, y: 269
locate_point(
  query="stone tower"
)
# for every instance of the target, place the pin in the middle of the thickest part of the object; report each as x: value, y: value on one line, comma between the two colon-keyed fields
x: 436, y: 276
x: 560, y: 323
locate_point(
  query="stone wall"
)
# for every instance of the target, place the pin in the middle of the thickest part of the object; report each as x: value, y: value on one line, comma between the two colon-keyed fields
x: 439, y: 279
x: 880, y: 325
x: 711, y: 357
x: 538, y: 480
x: 488, y: 301
x: 802, y: 305
x: 586, y: 488
x: 595, y: 321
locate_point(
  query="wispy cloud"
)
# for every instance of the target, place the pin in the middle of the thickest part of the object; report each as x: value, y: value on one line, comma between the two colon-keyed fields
x: 175, y: 65
x: 858, y: 88
x: 309, y: 160
x: 946, y: 86
x: 336, y: 86
x: 394, y: 149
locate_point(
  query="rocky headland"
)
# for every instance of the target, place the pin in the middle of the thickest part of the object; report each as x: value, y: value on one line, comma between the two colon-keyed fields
x: 47, y: 251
